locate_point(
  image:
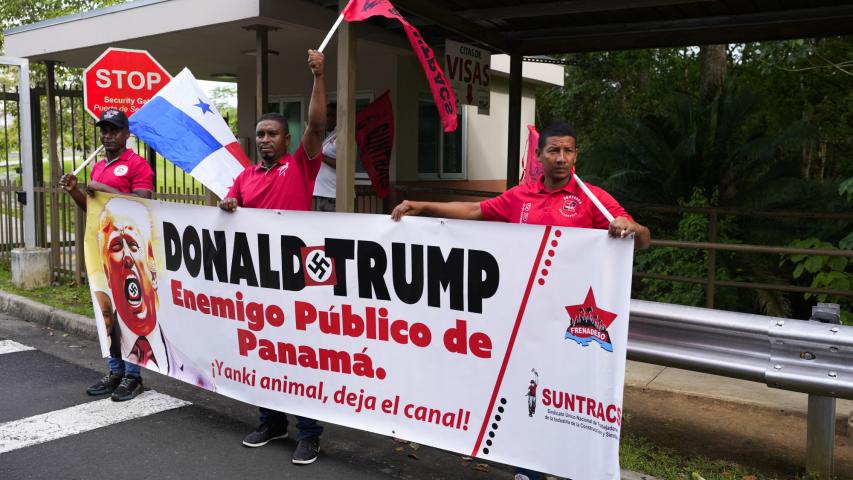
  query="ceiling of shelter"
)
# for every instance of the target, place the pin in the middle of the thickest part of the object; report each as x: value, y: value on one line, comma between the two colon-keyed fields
x: 532, y: 27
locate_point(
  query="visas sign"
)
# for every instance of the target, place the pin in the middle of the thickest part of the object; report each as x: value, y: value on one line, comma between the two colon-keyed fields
x: 501, y: 341
x: 468, y: 69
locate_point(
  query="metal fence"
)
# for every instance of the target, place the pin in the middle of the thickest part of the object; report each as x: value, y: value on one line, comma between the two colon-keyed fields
x: 12, y: 219
x: 59, y: 223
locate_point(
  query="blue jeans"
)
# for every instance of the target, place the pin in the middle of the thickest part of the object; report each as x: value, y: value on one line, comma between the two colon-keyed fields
x: 307, y: 427
x: 119, y: 365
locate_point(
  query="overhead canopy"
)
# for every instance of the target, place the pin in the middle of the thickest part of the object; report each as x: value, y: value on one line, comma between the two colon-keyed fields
x: 211, y: 37
x: 530, y: 27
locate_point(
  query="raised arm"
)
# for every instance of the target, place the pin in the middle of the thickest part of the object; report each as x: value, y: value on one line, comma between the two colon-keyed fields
x: 313, y: 137
x: 457, y: 210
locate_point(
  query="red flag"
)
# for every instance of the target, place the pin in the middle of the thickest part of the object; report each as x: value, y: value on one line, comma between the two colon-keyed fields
x: 445, y: 101
x: 374, y: 134
x: 533, y: 167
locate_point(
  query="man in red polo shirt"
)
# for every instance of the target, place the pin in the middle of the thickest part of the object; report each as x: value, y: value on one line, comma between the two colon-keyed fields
x: 283, y: 181
x: 124, y: 172
x: 556, y: 199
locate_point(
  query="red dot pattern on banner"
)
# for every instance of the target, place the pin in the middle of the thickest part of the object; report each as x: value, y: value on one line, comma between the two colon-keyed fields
x: 551, y: 253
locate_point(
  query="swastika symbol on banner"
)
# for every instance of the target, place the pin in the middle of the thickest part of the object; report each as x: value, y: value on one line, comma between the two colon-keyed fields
x: 319, y: 267
x: 133, y: 290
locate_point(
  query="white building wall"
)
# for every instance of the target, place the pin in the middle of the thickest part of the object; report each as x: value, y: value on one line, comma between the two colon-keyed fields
x: 487, y: 134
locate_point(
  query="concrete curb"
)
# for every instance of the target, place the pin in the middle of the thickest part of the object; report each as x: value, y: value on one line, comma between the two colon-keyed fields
x: 55, y: 318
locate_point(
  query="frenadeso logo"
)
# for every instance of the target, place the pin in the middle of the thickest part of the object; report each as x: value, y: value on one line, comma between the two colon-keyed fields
x: 589, y: 322
x: 319, y: 269
x: 570, y: 205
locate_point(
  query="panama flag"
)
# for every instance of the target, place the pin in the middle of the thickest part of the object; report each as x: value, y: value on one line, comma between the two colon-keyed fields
x: 181, y: 124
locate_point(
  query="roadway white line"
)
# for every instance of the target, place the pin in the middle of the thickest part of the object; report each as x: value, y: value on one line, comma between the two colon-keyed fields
x: 11, y: 346
x: 69, y: 421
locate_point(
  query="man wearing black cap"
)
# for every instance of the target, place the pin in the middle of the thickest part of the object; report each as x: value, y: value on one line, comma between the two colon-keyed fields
x: 124, y: 172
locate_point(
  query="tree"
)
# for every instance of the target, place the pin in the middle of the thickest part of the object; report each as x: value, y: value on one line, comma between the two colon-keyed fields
x: 14, y: 13
x: 224, y: 98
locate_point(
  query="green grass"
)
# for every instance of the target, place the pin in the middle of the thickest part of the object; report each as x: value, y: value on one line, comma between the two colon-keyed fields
x: 641, y: 455
x: 69, y: 296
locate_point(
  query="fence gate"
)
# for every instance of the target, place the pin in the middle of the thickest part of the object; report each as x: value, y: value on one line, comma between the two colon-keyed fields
x: 17, y: 218
x: 37, y: 149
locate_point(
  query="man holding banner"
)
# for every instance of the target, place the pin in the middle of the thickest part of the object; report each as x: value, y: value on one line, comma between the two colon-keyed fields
x: 121, y: 171
x: 555, y: 199
x: 282, y: 181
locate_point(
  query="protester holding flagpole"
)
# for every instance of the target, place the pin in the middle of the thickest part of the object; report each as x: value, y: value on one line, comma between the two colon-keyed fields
x: 282, y: 181
x: 124, y: 172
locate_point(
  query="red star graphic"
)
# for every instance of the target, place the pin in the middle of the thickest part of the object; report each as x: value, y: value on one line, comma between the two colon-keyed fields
x: 604, y: 316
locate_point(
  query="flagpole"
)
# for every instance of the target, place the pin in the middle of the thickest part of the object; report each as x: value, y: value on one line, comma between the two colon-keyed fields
x: 331, y: 32
x: 592, y: 197
x: 88, y: 160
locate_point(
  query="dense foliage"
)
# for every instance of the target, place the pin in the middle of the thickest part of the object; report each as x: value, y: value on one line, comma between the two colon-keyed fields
x: 772, y: 129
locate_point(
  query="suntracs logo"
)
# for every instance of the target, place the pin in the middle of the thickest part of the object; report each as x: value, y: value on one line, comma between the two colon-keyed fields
x: 120, y: 170
x: 570, y: 205
x: 589, y: 322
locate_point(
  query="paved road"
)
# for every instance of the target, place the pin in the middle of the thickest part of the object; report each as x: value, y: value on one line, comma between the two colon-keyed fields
x: 50, y: 428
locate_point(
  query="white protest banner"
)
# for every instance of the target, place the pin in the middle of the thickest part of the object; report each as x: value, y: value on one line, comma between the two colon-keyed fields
x: 505, y: 342
x: 468, y: 68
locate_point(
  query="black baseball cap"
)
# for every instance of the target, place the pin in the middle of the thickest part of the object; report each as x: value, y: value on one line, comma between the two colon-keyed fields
x: 113, y: 117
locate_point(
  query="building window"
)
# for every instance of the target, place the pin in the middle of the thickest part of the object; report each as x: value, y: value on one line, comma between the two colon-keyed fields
x: 291, y: 108
x: 440, y: 155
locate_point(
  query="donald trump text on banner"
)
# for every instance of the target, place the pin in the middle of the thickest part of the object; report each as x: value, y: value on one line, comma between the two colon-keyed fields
x: 182, y: 125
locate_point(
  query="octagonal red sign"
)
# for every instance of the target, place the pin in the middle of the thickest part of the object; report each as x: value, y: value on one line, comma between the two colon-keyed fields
x: 123, y: 79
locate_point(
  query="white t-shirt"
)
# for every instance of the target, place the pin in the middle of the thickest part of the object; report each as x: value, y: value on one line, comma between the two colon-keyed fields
x: 325, y: 185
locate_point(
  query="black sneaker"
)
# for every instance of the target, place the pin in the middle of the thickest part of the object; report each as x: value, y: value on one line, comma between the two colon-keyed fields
x: 129, y: 388
x: 264, y: 434
x: 306, y: 451
x: 106, y: 385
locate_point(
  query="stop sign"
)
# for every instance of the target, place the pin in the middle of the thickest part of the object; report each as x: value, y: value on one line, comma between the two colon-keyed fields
x: 122, y: 79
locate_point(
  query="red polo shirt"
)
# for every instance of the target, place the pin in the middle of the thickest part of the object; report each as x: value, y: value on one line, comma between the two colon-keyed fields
x: 126, y: 173
x: 566, y: 207
x: 288, y: 185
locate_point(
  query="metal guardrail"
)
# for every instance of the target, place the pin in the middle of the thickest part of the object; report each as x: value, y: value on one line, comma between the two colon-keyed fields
x: 796, y: 355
